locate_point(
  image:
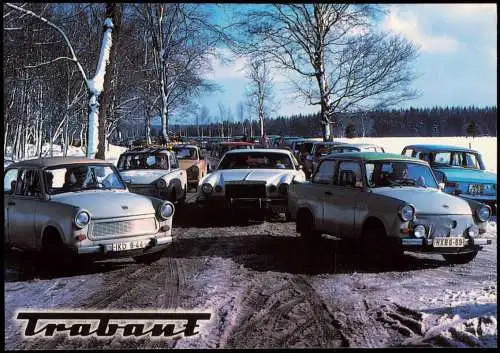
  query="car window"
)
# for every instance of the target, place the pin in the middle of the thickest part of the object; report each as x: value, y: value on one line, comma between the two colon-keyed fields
x: 344, y: 169
x: 10, y: 181
x: 80, y: 177
x: 186, y: 153
x: 29, y: 183
x: 442, y: 157
x: 399, y: 173
x: 131, y: 161
x: 407, y: 152
x: 252, y: 160
x: 324, y: 175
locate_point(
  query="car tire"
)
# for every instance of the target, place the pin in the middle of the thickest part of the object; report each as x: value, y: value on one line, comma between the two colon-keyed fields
x: 305, y: 226
x: 148, y: 258
x: 54, y: 255
x: 458, y: 259
x: 182, y: 200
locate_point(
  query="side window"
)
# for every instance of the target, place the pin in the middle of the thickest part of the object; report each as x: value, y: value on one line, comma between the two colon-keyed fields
x: 173, y: 161
x: 407, y: 152
x: 10, y: 181
x: 324, y: 175
x: 30, y: 183
x: 349, y: 174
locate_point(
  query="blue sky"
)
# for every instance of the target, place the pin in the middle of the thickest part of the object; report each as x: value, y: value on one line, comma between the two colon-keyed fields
x: 457, y: 58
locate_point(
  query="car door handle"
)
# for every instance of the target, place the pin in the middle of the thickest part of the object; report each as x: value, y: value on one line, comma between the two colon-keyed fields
x: 329, y: 193
x: 11, y: 203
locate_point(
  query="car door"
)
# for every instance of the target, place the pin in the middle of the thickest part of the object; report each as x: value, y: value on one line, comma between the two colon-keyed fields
x: 22, y: 208
x: 340, y: 205
x: 321, y: 183
x: 9, y: 187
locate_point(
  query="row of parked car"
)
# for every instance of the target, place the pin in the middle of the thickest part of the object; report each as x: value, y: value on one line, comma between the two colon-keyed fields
x: 422, y: 200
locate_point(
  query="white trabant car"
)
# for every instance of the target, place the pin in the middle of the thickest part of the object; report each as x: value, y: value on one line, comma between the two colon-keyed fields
x: 388, y: 202
x: 251, y: 179
x: 73, y: 207
x: 154, y: 171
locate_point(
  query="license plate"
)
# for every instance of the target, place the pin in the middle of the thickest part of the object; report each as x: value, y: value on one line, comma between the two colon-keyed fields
x: 451, y: 242
x: 131, y: 245
x: 476, y: 189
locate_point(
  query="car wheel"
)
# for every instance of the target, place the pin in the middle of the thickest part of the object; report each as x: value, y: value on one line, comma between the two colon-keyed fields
x: 305, y: 226
x: 54, y: 254
x: 148, y: 258
x: 376, y: 243
x: 182, y: 200
x: 458, y: 259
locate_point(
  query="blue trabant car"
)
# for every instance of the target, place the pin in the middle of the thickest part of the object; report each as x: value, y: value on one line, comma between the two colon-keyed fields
x: 462, y: 171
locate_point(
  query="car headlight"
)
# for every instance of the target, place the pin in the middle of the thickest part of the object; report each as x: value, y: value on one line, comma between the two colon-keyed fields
x: 406, y: 212
x: 419, y: 231
x: 207, y: 188
x: 283, y: 188
x: 82, y: 218
x: 166, y: 210
x: 483, y: 213
x: 160, y: 184
x: 473, y: 231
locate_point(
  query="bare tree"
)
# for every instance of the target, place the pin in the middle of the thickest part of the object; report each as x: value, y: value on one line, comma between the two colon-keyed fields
x: 241, y: 116
x: 222, y: 114
x: 260, y: 90
x: 337, y: 57
x: 94, y: 85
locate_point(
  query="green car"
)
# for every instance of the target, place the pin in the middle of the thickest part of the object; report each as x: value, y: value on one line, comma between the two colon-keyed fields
x: 388, y: 202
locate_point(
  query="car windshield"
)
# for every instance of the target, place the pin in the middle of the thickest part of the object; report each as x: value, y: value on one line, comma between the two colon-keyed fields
x: 185, y: 153
x: 399, y: 173
x: 456, y: 159
x: 81, y: 177
x: 131, y: 161
x: 266, y: 160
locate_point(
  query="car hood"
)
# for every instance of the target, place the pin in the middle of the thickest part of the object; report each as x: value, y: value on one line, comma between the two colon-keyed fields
x: 426, y: 200
x: 107, y: 203
x: 469, y: 175
x: 269, y: 176
x: 142, y: 176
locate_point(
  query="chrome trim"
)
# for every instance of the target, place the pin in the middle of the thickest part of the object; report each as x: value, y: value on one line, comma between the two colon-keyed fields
x: 412, y: 241
x: 481, y: 241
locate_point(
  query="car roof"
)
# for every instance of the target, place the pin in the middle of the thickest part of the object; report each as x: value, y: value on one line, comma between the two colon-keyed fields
x: 372, y: 156
x: 260, y: 150
x: 431, y: 148
x: 150, y: 149
x: 187, y: 145
x: 356, y: 145
x: 55, y: 161
x: 236, y: 143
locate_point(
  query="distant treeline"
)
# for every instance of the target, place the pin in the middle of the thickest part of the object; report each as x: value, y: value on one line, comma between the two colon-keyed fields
x: 424, y: 122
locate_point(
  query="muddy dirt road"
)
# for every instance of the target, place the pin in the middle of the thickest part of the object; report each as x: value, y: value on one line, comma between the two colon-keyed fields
x: 266, y: 288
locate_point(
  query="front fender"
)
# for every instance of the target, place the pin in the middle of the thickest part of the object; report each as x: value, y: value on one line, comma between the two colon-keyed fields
x: 59, y: 216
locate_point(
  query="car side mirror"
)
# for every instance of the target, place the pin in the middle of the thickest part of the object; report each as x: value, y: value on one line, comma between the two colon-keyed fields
x: 441, y: 186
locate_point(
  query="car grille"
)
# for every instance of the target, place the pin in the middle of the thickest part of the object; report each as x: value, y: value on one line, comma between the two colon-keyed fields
x: 444, y: 225
x: 245, y: 190
x: 115, y: 229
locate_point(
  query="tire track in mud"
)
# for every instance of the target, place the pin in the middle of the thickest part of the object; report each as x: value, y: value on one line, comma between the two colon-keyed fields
x: 285, y: 317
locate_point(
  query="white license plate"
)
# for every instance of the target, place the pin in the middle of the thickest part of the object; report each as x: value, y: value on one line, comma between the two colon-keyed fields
x: 451, y: 242
x: 131, y: 245
x: 476, y: 189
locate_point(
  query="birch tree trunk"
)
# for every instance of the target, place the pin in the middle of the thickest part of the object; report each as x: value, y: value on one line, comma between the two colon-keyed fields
x: 113, y: 12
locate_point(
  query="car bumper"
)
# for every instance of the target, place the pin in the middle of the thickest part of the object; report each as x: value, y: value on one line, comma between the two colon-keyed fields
x: 106, y: 250
x: 274, y: 204
x: 426, y: 245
